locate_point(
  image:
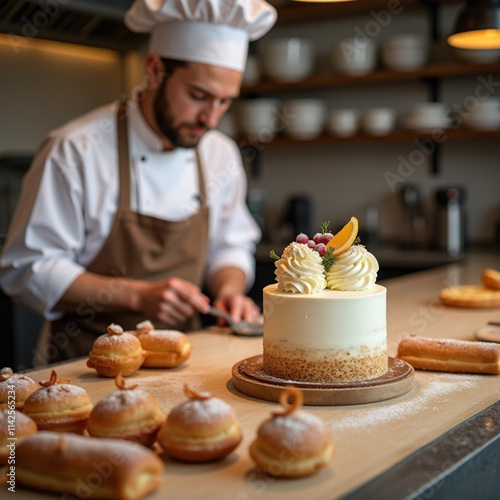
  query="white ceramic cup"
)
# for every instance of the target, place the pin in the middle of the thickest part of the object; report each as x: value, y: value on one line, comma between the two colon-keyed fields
x: 353, y: 56
x: 258, y: 118
x: 304, y: 118
x: 287, y: 59
x: 378, y: 121
x: 343, y: 122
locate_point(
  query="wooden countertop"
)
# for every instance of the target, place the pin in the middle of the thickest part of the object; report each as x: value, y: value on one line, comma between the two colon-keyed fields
x: 369, y: 438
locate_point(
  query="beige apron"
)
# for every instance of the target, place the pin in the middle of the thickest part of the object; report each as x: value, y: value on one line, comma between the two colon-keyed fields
x: 138, y: 246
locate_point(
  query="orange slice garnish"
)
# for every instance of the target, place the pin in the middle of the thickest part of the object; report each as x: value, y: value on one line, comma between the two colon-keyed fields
x: 344, y: 238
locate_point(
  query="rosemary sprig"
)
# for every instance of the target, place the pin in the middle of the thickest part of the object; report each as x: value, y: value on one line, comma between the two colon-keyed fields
x: 274, y: 255
x: 324, y: 226
x: 328, y: 259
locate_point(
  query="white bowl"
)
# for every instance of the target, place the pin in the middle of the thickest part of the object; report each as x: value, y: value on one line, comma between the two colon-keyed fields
x: 304, y: 118
x: 258, y: 117
x: 287, y: 59
x: 479, y: 56
x: 343, y: 122
x: 378, y: 121
x: 405, y: 52
x: 352, y: 56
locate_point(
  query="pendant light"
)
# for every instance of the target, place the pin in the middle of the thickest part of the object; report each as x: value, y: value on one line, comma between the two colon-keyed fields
x: 478, y: 26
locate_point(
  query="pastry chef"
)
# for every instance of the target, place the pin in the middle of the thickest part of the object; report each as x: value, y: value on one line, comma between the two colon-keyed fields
x: 127, y: 211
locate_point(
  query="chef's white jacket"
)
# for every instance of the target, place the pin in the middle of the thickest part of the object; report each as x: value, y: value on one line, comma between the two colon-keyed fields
x: 70, y: 194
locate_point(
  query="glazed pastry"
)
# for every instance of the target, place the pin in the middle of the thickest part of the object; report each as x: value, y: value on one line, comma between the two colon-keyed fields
x: 129, y: 413
x: 450, y: 355
x: 491, y: 278
x: 23, y: 387
x: 163, y: 348
x: 116, y: 352
x: 86, y: 467
x: 292, y: 443
x: 59, y: 406
x: 470, y: 296
x: 14, y: 427
x: 201, y: 429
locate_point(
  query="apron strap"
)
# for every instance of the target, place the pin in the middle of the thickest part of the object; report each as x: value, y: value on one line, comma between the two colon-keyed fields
x: 123, y: 156
x: 201, y: 179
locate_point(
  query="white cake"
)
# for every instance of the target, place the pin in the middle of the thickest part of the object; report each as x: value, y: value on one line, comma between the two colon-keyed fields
x: 325, y: 326
x: 328, y: 336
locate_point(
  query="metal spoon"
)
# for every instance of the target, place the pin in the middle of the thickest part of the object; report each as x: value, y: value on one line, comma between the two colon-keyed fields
x: 242, y: 328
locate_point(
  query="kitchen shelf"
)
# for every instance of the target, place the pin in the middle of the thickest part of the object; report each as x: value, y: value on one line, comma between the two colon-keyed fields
x: 322, y: 81
x: 396, y: 136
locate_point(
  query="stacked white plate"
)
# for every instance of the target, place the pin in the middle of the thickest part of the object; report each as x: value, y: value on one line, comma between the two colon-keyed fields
x: 405, y: 52
x: 427, y: 116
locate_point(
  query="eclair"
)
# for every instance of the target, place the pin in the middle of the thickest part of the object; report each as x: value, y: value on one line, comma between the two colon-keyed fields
x: 292, y: 443
x: 450, y: 355
x: 15, y: 385
x: 59, y: 406
x: 116, y: 352
x: 201, y: 429
x: 86, y: 467
x: 163, y: 348
x: 129, y: 413
x: 14, y: 427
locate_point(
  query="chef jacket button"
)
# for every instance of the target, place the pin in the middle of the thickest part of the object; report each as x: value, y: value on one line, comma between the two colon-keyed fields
x: 143, y: 158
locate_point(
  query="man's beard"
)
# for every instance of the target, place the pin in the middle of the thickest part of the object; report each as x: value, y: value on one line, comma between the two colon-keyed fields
x: 165, y: 121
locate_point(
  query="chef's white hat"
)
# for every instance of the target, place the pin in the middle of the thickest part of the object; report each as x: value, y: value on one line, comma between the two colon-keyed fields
x: 213, y: 32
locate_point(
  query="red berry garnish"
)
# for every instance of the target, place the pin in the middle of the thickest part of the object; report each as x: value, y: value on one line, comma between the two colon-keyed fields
x: 311, y: 244
x: 327, y: 237
x: 320, y: 248
x: 318, y: 238
x: 302, y: 238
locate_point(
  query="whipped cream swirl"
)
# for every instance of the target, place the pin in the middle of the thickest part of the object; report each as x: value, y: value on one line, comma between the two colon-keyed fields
x: 356, y: 269
x: 300, y: 270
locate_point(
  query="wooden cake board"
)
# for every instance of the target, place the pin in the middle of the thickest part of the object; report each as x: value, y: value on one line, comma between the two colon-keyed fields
x: 250, y: 379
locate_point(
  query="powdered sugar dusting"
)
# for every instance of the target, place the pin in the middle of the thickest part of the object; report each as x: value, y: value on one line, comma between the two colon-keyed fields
x: 299, y: 424
x: 196, y: 411
x: 430, y: 397
x: 56, y: 392
x: 22, y: 383
x: 118, y: 400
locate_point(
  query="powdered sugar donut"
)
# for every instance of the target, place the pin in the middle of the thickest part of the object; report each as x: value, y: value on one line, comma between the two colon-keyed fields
x: 59, y: 406
x: 201, y: 429
x: 292, y: 443
x: 129, y: 413
x: 163, y: 348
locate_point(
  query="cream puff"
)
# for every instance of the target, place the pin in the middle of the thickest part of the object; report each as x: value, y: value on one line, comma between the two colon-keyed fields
x: 59, y: 406
x: 129, y: 413
x: 23, y: 387
x: 14, y: 427
x: 163, y: 348
x: 116, y: 352
x: 201, y: 429
x: 292, y: 443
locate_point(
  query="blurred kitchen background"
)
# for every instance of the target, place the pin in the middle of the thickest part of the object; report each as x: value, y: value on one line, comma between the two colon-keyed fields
x: 343, y: 135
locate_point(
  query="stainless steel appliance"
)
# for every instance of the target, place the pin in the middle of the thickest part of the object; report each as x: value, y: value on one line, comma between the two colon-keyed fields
x: 450, y: 219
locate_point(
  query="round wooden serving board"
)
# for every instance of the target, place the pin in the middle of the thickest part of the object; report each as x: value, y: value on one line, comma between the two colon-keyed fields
x: 250, y: 379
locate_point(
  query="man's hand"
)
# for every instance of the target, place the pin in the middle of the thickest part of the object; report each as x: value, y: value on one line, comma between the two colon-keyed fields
x: 171, y: 301
x: 240, y: 308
